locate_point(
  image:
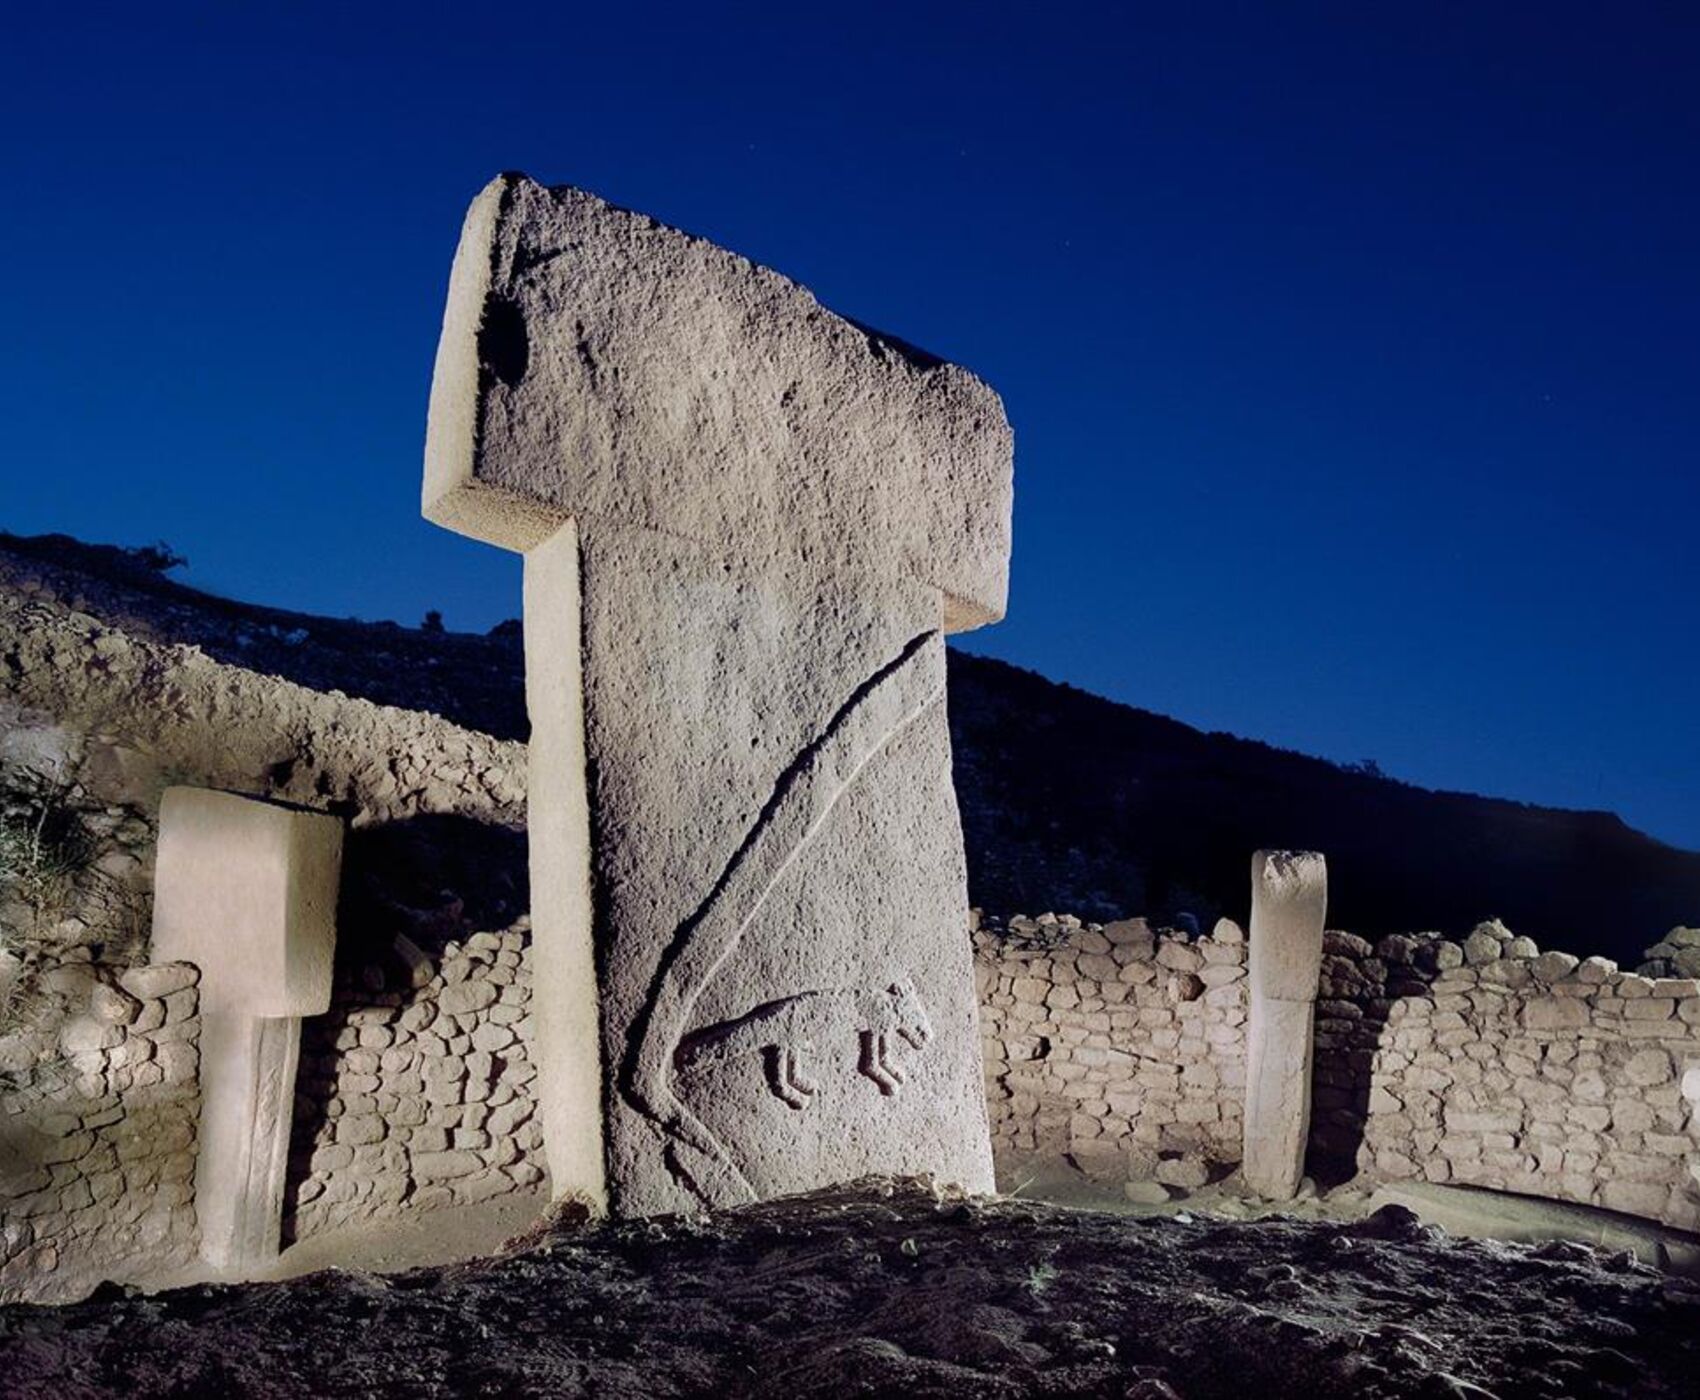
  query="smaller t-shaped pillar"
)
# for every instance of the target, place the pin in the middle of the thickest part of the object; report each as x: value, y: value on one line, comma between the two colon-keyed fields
x: 1289, y: 901
x: 246, y: 890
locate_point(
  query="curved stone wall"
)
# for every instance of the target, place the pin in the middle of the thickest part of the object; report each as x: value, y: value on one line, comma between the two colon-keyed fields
x: 1530, y: 1076
x: 1121, y: 1050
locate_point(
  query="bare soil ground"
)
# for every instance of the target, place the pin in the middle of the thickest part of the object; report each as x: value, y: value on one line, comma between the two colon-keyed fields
x: 888, y: 1289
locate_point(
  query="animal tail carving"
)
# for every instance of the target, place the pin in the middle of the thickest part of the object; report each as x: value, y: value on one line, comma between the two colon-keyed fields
x: 879, y: 710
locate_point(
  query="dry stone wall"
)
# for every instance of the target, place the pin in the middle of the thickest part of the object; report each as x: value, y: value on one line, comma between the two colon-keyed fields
x: 1541, y: 1074
x: 1116, y: 1046
x: 95, y: 722
x: 1120, y: 1050
x: 1358, y: 987
x: 420, y: 1097
x: 97, y: 1138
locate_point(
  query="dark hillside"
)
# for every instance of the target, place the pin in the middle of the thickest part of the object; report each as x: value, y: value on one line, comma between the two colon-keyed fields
x: 471, y: 680
x: 1080, y: 803
x: 1069, y: 801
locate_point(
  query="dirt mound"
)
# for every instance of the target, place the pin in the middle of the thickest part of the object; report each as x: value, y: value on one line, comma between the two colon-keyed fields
x: 880, y: 1290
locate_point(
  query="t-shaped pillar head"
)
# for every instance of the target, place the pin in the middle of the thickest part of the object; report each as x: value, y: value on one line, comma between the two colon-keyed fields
x: 747, y: 524
x: 246, y: 890
x: 596, y: 364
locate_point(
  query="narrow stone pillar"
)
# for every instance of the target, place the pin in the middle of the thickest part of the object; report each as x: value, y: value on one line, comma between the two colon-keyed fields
x: 246, y: 890
x: 748, y: 525
x: 1289, y: 901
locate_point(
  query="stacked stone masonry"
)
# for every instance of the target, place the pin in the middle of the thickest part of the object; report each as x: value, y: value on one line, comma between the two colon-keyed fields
x: 1118, y: 1047
x: 420, y: 1098
x: 1541, y: 1074
x: 97, y: 1138
x: 1677, y: 954
x: 95, y: 723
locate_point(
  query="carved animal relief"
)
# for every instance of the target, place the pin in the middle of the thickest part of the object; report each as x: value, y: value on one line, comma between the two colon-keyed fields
x: 785, y: 1033
x: 782, y: 1031
x: 748, y: 524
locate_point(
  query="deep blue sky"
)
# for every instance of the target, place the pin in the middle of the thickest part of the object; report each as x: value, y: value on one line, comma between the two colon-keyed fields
x: 1351, y: 349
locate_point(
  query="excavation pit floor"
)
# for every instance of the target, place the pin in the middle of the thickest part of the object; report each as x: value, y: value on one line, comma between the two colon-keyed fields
x: 893, y: 1289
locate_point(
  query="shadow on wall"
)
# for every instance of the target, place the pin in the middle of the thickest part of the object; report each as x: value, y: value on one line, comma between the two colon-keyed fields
x: 1360, y: 983
x: 411, y: 889
x: 430, y: 878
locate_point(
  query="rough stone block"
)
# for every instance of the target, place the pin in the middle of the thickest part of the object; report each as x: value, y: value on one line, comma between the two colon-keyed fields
x: 1555, y: 1014
x: 747, y: 525
x: 466, y: 997
x: 445, y: 1166
x: 1549, y: 967
x: 1187, y: 1172
x: 1289, y: 903
x: 113, y: 1005
x: 1648, y: 1067
x: 85, y: 1035
x: 246, y: 891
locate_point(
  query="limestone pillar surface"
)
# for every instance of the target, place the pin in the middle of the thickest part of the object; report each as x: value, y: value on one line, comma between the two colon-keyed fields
x: 1289, y: 901
x: 748, y: 525
x: 246, y: 890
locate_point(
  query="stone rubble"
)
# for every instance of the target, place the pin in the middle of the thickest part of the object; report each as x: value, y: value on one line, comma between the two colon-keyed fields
x: 1677, y: 954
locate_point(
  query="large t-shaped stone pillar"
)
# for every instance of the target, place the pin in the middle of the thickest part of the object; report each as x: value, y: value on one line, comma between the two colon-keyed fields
x: 1289, y: 903
x: 246, y: 890
x: 748, y: 524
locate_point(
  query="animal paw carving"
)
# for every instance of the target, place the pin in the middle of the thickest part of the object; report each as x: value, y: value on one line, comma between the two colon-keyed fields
x: 785, y: 1033
x: 786, y: 1080
x: 878, y: 1064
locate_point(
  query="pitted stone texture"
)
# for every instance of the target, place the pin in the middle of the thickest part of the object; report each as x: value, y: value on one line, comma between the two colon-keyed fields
x: 246, y: 890
x: 748, y: 524
x: 1289, y: 896
x: 1289, y: 900
x: 597, y: 364
x: 787, y: 998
